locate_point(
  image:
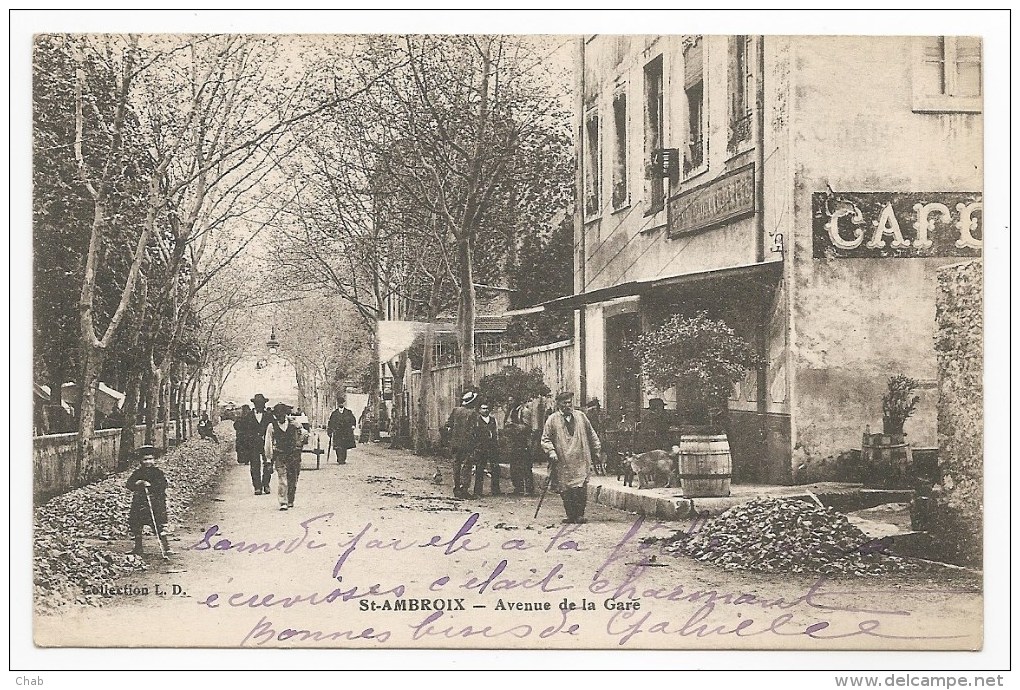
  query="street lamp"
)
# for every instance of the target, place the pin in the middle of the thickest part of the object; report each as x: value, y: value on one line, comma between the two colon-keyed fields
x: 273, y: 345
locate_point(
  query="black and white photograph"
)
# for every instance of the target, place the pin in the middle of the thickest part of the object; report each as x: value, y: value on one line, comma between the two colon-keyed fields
x: 487, y: 339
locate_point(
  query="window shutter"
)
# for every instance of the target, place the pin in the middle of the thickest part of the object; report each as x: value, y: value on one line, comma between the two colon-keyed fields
x: 693, y: 67
x: 733, y: 79
x: 968, y: 66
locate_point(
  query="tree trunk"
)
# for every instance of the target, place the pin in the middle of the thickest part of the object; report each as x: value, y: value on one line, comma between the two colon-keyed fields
x: 192, y: 387
x: 370, y: 430
x: 87, y: 469
x: 422, y: 440
x: 302, y: 388
x: 172, y: 409
x: 466, y: 320
x: 130, y: 409
x: 152, y: 407
x: 164, y: 414
x: 397, y: 438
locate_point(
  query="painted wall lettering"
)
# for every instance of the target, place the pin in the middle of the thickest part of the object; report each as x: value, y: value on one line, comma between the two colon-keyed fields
x: 896, y: 224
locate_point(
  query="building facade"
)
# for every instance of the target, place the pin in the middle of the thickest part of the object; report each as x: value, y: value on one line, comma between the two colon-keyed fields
x: 803, y: 189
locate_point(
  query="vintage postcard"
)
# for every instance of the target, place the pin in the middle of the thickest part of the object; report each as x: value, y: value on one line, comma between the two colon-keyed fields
x: 612, y: 341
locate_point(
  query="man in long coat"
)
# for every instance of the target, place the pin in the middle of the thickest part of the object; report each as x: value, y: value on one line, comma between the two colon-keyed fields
x: 571, y: 444
x: 243, y: 437
x: 340, y: 428
x: 255, y: 425
x: 461, y: 429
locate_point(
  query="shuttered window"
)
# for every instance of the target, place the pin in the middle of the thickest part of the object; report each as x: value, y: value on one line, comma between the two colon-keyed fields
x: 947, y: 74
x: 654, y: 133
x: 592, y: 165
x: 620, y: 191
x: 741, y: 91
x: 694, y: 89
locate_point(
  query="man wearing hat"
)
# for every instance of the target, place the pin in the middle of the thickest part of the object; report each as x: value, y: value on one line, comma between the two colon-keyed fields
x: 284, y: 440
x: 253, y: 427
x: 571, y: 444
x: 462, y: 431
x: 148, y: 502
x: 340, y: 428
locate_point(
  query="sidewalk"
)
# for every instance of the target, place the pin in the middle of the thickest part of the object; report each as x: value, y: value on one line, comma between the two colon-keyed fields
x: 670, y: 503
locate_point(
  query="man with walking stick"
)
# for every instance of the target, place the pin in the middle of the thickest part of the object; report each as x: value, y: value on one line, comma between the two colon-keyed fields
x: 571, y: 444
x: 148, y: 504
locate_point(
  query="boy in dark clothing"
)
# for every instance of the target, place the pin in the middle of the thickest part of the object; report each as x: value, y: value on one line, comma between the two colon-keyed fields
x: 149, y: 500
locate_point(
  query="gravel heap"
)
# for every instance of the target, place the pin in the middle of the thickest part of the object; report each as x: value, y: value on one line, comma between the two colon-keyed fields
x: 783, y: 535
x: 75, y: 532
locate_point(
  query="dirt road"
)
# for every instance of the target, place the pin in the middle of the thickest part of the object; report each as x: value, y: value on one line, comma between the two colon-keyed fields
x: 373, y: 554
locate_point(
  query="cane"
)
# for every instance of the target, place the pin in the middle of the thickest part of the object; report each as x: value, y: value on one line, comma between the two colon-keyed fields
x: 155, y: 528
x: 542, y: 497
x: 329, y: 446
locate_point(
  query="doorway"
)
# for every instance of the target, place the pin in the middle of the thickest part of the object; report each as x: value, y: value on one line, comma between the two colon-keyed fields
x: 623, y: 370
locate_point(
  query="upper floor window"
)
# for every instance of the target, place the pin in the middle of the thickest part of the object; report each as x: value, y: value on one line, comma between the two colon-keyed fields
x: 741, y: 88
x: 654, y: 131
x: 620, y: 194
x: 592, y: 160
x: 694, y: 89
x: 947, y: 74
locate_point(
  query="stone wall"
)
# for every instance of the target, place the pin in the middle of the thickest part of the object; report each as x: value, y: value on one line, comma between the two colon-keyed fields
x: 959, y: 345
x: 55, y: 459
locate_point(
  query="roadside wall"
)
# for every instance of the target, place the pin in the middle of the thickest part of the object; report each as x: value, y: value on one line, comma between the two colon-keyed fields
x: 55, y: 459
x: 556, y: 361
x: 959, y: 345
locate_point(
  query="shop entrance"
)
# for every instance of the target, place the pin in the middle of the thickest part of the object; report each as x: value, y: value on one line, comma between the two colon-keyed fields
x: 623, y: 371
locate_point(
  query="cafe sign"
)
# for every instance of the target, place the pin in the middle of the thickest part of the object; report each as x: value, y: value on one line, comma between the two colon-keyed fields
x: 896, y: 224
x: 724, y: 199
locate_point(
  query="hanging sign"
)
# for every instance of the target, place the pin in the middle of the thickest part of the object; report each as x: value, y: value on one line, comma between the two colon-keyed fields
x: 894, y: 225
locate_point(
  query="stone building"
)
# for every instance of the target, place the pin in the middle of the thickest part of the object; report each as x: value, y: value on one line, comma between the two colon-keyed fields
x: 804, y: 189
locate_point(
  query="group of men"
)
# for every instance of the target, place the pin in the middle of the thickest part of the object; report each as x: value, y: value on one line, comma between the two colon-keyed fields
x: 566, y: 437
x: 274, y: 439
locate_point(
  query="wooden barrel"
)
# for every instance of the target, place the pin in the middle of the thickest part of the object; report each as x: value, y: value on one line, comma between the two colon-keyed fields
x: 705, y: 466
x: 887, y: 460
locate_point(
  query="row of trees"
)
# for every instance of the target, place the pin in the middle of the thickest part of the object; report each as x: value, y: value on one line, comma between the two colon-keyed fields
x: 157, y: 162
x: 401, y: 171
x: 449, y: 172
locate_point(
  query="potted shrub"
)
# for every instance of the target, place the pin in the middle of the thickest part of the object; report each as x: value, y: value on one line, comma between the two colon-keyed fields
x: 898, y: 404
x: 702, y: 358
x: 513, y: 383
x: 886, y: 457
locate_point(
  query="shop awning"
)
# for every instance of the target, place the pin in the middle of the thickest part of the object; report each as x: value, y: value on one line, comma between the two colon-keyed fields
x: 770, y: 270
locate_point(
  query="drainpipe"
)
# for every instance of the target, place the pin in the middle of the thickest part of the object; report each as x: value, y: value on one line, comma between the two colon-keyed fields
x: 759, y: 151
x: 582, y: 336
x: 759, y: 240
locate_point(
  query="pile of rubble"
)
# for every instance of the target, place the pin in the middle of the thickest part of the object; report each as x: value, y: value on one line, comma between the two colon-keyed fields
x: 783, y: 535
